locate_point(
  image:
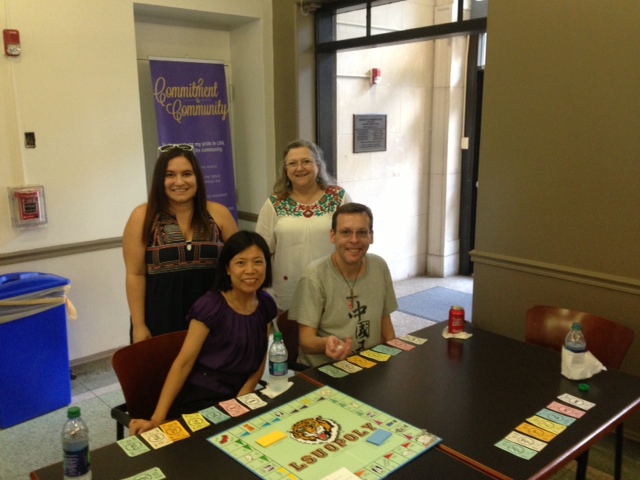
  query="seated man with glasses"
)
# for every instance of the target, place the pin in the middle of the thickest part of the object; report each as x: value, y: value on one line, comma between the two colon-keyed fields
x: 343, y: 302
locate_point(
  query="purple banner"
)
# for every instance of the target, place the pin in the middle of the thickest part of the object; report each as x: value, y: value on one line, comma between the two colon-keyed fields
x: 192, y: 107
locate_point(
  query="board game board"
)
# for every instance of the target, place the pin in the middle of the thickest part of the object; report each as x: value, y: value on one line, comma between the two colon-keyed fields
x: 319, y: 433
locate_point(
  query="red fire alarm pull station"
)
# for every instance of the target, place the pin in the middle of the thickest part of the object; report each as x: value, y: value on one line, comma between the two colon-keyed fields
x: 28, y: 209
x: 11, y: 42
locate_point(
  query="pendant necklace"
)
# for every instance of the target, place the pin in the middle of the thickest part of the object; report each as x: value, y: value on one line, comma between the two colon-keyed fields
x: 189, y: 245
x: 351, y: 297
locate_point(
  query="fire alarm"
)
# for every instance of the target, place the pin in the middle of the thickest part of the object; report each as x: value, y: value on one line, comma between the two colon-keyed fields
x: 376, y: 76
x: 11, y: 42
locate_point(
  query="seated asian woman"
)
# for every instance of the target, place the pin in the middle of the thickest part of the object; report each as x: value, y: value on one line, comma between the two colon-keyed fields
x: 224, y: 353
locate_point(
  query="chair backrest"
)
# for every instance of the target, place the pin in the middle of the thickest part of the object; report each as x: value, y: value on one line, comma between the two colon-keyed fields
x: 289, y: 329
x: 607, y: 340
x: 142, y: 369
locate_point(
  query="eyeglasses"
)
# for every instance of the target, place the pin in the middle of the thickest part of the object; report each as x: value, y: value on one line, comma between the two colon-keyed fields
x: 305, y: 163
x: 170, y: 146
x: 361, y: 234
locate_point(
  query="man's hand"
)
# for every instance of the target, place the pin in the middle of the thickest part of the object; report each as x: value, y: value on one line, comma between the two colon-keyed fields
x: 336, y: 349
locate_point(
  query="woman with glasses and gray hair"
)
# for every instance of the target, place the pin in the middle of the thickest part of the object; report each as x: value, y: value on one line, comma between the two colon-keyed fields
x: 171, y: 245
x: 296, y: 219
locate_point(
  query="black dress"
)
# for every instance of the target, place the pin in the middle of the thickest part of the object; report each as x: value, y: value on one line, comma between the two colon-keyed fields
x: 178, y: 273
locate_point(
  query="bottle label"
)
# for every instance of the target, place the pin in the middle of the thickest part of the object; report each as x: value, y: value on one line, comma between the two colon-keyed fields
x: 576, y: 347
x: 277, y: 368
x: 77, y: 462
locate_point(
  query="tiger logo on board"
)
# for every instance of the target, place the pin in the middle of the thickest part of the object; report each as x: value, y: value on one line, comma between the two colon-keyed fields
x: 315, y: 430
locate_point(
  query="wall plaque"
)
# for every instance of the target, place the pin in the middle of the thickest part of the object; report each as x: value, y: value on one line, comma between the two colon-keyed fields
x: 369, y: 133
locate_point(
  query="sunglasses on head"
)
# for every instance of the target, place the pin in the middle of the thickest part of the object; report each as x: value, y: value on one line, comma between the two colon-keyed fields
x: 171, y: 146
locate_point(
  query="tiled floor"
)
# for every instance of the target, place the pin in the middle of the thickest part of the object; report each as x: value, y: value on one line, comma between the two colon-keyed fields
x: 35, y: 444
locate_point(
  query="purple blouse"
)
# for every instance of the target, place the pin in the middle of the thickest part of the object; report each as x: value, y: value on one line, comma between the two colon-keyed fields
x: 236, y: 344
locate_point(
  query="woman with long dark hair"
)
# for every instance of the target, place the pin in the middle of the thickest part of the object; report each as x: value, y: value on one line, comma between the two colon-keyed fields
x: 171, y: 245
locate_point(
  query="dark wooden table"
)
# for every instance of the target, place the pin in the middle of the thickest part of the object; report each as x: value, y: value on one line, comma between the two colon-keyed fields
x: 196, y: 458
x: 474, y: 392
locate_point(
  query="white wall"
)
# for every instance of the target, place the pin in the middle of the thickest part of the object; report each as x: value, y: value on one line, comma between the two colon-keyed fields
x: 76, y: 86
x: 413, y: 187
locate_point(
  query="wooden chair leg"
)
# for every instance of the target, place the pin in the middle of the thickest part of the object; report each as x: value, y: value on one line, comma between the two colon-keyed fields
x: 618, y: 458
x: 583, y: 463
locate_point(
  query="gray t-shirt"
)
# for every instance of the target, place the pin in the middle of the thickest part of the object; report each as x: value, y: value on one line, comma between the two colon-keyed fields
x: 320, y: 301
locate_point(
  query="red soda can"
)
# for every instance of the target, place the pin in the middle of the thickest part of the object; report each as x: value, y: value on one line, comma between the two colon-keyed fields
x: 456, y: 320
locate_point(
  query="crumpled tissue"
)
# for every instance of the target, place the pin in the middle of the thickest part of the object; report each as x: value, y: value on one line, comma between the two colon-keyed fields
x: 271, y: 394
x: 578, y: 366
x: 461, y: 335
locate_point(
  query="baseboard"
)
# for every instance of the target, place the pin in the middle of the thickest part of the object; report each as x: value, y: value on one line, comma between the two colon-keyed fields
x: 93, y: 358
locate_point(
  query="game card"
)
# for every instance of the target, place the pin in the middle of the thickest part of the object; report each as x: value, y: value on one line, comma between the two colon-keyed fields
x: 347, y: 366
x: 133, y: 446
x: 549, y: 426
x: 153, y: 474
x: 195, y: 421
x: 576, y: 402
x: 526, y: 441
x: 175, y: 431
x: 536, y: 432
x: 333, y: 371
x: 387, y: 350
x: 556, y: 417
x: 413, y: 339
x: 380, y: 357
x: 361, y: 362
x: 214, y: 415
x: 252, y: 401
x: 515, y: 449
x: 401, y: 345
x: 156, y: 438
x: 572, y: 412
x: 233, y: 407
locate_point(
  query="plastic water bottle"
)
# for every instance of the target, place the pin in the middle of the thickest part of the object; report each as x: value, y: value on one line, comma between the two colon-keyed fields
x: 575, y: 341
x: 75, y: 446
x: 278, y: 370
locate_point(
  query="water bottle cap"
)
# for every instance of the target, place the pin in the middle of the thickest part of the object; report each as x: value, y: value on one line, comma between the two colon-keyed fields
x: 576, y: 326
x: 73, y: 412
x: 277, y: 336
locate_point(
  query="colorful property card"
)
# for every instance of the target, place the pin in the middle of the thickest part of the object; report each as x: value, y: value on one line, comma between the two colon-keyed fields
x: 175, y: 431
x: 564, y: 409
x: 387, y: 350
x: 316, y: 435
x: 252, y: 401
x: 361, y: 362
x: 413, y: 339
x: 548, y: 425
x: 233, y: 407
x: 556, y: 417
x: 347, y: 366
x: 515, y: 449
x: 536, y: 432
x: 576, y: 402
x: 195, y: 421
x: 133, y: 446
x: 396, y: 342
x: 156, y: 438
x: 377, y: 356
x: 214, y: 415
x: 526, y: 441
x: 333, y: 371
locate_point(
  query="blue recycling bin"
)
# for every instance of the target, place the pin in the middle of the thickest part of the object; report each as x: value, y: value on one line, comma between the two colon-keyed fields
x: 34, y: 352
